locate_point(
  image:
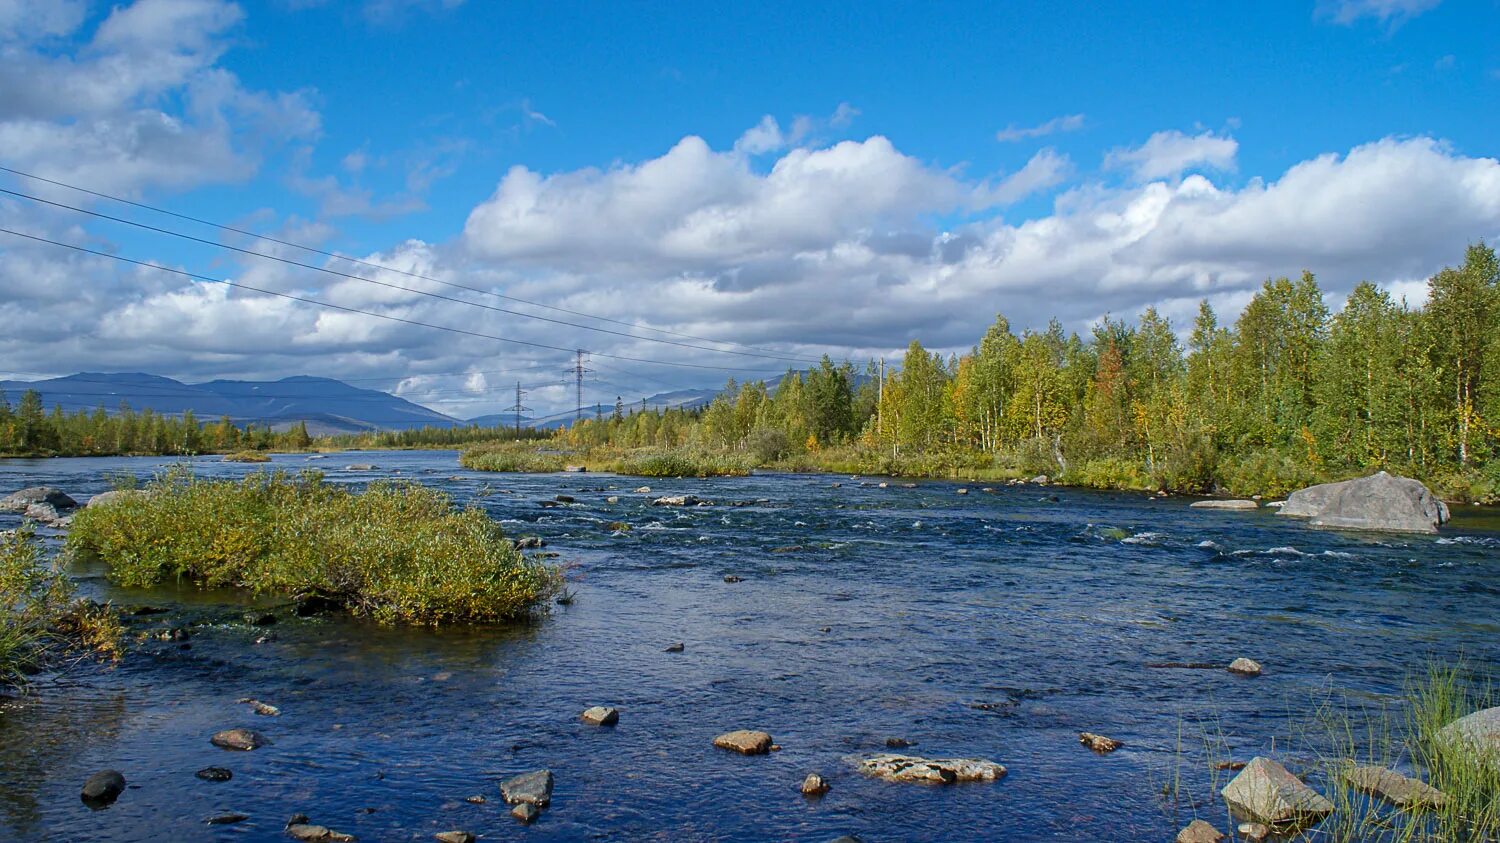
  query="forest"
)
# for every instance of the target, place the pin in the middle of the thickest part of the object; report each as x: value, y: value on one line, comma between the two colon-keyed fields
x: 1286, y: 394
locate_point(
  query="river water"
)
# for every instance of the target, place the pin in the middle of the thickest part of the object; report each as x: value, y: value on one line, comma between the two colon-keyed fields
x: 990, y: 625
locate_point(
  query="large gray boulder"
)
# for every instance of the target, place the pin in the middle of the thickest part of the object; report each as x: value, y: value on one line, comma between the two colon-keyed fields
x: 1378, y: 502
x: 1265, y: 792
x: 1479, y: 732
x: 22, y: 500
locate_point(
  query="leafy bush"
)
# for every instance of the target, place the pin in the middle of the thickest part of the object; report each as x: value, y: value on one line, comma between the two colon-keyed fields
x: 511, y: 456
x: 1270, y: 473
x: 247, y: 456
x: 1109, y: 473
x: 682, y: 462
x: 396, y: 552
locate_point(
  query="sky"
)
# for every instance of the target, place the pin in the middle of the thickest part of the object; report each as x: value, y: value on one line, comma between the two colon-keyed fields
x: 730, y: 191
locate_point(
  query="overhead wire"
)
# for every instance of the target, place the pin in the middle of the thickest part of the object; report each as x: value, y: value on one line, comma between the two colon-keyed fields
x: 751, y: 351
x: 345, y: 308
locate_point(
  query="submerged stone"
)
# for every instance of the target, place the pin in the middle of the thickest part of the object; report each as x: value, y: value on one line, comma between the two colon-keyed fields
x: 906, y: 768
x: 534, y: 788
x: 1394, y: 788
x: 244, y: 740
x: 814, y: 785
x: 601, y: 715
x: 214, y: 774
x: 745, y: 742
x: 103, y: 787
x: 1199, y: 831
x: 1098, y: 743
x: 1245, y: 667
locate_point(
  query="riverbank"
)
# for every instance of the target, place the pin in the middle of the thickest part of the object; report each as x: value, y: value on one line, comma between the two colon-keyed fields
x: 1115, y: 475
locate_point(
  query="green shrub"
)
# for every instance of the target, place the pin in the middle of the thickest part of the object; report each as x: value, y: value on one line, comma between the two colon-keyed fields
x: 527, y: 457
x: 247, y: 456
x: 1109, y: 473
x: 682, y: 462
x: 396, y: 552
x: 38, y: 611
x: 1270, y: 473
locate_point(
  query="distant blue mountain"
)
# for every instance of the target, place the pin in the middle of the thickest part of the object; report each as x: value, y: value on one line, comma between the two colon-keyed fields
x: 326, y: 405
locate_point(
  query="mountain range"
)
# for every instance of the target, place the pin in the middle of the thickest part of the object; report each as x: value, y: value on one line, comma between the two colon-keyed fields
x: 326, y: 405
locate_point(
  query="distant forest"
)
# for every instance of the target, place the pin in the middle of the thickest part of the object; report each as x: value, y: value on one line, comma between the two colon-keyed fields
x: 1287, y: 395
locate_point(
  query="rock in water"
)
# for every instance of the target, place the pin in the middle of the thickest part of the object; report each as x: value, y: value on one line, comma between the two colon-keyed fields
x: 745, y: 741
x: 680, y: 500
x: 107, y: 498
x: 453, y: 837
x: 675, y: 648
x: 47, y: 514
x: 214, y: 774
x: 1098, y: 743
x: 1265, y: 792
x: 534, y: 788
x: 814, y: 785
x: 1223, y: 504
x: 1378, y: 502
x: 241, y: 739
x: 1199, y: 831
x: 906, y: 768
x: 229, y: 818
x: 103, y: 787
x: 1394, y: 787
x: 525, y: 812
x: 1479, y: 731
x: 1245, y: 667
x: 1254, y: 832
x: 20, y: 501
x: 316, y: 834
x: 601, y: 715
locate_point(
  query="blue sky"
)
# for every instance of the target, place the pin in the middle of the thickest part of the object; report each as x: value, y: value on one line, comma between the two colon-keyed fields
x: 833, y: 180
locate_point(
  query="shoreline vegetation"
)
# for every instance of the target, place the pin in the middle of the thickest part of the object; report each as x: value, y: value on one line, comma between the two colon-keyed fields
x: 395, y: 552
x: 41, y: 616
x: 1374, y: 761
x: 1288, y: 396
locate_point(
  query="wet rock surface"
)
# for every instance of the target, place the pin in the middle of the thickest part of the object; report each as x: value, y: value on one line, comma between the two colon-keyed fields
x: 1266, y: 792
x: 908, y: 768
x: 534, y: 788
x: 243, y: 740
x: 103, y: 787
x: 745, y: 742
x: 1393, y: 787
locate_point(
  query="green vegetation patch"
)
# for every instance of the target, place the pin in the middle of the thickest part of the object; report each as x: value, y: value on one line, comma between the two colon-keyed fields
x: 512, y: 456
x: 39, y: 613
x: 247, y: 456
x: 397, y: 552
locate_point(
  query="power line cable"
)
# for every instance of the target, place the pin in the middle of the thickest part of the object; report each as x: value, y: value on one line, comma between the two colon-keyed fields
x: 363, y: 279
x: 765, y: 352
x: 243, y: 286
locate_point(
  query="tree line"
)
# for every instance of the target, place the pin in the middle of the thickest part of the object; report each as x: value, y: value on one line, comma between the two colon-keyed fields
x: 1285, y: 395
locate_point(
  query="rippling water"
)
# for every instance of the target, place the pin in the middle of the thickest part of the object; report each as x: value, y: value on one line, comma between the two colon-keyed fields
x: 986, y: 625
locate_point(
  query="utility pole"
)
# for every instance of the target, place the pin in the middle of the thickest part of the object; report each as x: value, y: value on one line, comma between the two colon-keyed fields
x: 578, y: 372
x: 518, y: 409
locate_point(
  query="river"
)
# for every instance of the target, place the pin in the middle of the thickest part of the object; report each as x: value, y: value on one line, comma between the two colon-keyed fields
x: 990, y: 625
